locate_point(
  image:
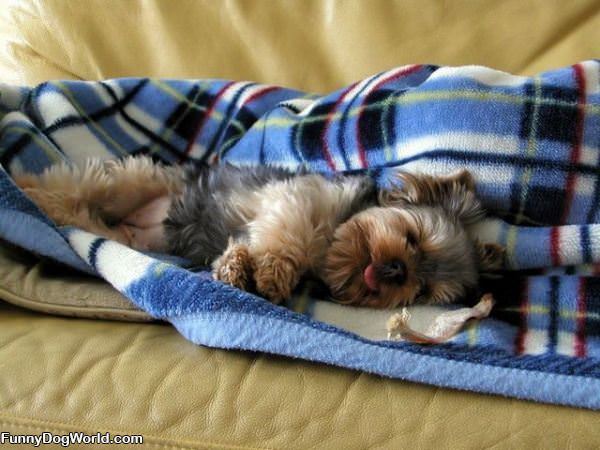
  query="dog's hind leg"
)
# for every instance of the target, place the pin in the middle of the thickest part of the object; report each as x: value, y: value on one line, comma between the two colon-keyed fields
x: 138, y: 181
x: 65, y: 210
x: 72, y: 196
x: 143, y: 201
x: 145, y: 225
x: 99, y: 196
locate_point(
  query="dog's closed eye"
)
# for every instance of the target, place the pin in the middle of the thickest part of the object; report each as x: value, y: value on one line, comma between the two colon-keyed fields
x: 412, y: 239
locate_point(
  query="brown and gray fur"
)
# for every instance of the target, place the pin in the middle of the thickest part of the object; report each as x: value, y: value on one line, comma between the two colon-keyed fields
x: 263, y: 228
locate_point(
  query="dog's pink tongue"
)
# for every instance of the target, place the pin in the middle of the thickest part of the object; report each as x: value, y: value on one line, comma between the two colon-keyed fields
x: 370, y: 278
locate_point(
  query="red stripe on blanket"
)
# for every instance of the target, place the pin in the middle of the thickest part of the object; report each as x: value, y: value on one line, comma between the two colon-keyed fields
x: 523, y: 309
x: 555, y: 245
x: 330, y: 115
x: 260, y: 94
x: 580, y: 343
x: 362, y: 156
x: 203, y: 120
x: 579, y: 75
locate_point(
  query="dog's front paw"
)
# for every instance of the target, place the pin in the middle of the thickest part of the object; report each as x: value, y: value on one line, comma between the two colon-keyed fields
x: 235, y: 267
x: 275, y: 277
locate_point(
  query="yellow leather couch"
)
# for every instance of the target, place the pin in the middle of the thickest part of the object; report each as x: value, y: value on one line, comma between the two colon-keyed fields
x: 64, y: 374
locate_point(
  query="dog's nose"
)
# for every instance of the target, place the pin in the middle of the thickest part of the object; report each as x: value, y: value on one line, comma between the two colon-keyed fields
x: 393, y: 271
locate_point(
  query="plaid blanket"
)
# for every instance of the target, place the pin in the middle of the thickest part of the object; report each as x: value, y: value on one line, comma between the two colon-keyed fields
x: 533, y: 145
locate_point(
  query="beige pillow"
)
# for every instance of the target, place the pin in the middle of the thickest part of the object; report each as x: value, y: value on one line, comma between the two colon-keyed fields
x: 46, y: 286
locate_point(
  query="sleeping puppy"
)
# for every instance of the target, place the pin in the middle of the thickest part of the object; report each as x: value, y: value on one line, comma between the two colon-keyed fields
x: 263, y: 228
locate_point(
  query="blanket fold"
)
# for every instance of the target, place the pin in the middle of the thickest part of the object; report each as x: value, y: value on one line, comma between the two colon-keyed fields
x: 532, y: 144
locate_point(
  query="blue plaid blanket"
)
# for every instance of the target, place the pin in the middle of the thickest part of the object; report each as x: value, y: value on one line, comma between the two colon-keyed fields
x: 533, y: 145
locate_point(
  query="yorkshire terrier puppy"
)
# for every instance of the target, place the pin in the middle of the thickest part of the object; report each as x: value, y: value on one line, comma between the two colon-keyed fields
x: 263, y: 228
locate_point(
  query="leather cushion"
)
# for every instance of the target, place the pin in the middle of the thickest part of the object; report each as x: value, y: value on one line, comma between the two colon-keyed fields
x: 66, y: 374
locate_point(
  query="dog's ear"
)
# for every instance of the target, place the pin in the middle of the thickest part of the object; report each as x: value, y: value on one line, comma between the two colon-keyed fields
x: 490, y: 257
x: 454, y: 193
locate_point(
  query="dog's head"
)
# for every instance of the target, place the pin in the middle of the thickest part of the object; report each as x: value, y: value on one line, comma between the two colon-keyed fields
x: 413, y: 246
